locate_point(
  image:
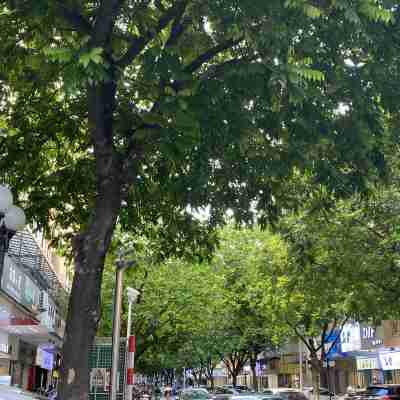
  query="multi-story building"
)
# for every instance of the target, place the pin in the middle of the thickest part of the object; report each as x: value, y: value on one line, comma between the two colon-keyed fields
x: 33, y: 302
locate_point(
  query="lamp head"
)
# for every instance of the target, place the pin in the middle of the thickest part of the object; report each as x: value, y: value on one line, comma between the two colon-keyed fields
x: 6, y: 199
x: 133, y: 294
x: 14, y: 218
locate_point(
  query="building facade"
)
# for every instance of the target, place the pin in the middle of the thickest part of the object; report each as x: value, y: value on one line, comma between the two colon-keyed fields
x: 363, y: 355
x: 33, y: 302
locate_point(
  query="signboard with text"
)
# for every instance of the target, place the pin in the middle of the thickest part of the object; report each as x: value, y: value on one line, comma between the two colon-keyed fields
x: 332, y: 345
x: 371, y: 336
x: 18, y: 285
x: 350, y: 337
x: 390, y: 360
x: 366, y: 363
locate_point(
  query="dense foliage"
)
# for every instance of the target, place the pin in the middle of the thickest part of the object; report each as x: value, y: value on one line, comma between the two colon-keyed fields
x: 136, y: 110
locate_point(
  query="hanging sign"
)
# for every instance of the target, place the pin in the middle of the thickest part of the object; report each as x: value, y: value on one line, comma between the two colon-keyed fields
x: 350, y: 338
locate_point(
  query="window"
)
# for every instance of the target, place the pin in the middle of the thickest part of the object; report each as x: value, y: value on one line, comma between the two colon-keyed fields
x: 395, y: 327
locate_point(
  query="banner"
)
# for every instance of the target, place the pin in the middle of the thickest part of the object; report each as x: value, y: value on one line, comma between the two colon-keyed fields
x: 350, y: 338
x: 17, y: 284
x: 390, y: 360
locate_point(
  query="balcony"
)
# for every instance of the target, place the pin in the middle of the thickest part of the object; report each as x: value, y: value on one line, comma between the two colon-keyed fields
x: 25, y: 252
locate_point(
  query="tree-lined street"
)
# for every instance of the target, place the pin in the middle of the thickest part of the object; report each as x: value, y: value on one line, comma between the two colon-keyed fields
x: 167, y: 128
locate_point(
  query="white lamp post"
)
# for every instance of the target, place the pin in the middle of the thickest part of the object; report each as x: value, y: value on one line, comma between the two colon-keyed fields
x: 133, y: 295
x: 12, y: 219
x: 121, y: 266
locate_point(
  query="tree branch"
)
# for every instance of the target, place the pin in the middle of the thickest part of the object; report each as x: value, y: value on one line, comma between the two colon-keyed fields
x: 178, y: 27
x: 77, y: 21
x: 323, y: 337
x: 139, y: 43
x: 105, y: 20
x: 218, y: 69
x: 300, y: 336
x: 210, y: 54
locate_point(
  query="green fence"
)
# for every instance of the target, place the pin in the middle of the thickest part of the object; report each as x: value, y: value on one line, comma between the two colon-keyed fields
x: 100, y: 369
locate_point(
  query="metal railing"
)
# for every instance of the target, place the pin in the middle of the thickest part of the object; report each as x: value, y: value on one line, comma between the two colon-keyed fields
x: 25, y: 251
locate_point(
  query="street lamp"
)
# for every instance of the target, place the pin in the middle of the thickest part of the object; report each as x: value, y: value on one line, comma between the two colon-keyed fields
x: 133, y: 295
x: 12, y: 219
x: 121, y: 266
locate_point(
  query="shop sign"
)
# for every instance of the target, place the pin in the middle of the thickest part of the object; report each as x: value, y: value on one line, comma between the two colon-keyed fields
x: 350, y: 338
x: 4, y: 346
x: 364, y: 363
x: 329, y: 364
x: 371, y: 337
x: 20, y: 286
x: 49, y: 316
x: 332, y: 344
x: 390, y: 360
x: 47, y: 360
x: 44, y: 359
x: 100, y: 380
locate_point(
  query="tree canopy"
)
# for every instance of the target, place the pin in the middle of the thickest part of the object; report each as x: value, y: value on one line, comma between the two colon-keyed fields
x: 137, y: 110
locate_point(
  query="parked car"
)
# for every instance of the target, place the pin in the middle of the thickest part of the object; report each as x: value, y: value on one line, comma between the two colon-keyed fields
x: 224, y: 393
x: 270, y: 396
x: 289, y: 394
x: 246, y: 396
x: 378, y: 392
x: 194, y: 394
x: 242, y: 388
x: 267, y: 392
x: 324, y: 393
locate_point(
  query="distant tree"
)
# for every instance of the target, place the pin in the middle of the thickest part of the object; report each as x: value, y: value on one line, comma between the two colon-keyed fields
x: 245, y: 328
x: 330, y: 276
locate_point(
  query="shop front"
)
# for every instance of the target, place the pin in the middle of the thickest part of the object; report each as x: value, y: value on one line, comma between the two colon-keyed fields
x: 289, y: 375
x: 390, y: 364
x: 369, y: 370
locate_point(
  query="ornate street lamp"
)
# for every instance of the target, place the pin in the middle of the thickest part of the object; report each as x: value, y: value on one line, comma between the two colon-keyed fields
x: 12, y: 219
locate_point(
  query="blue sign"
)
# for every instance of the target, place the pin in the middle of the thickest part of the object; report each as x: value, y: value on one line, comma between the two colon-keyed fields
x: 47, y: 360
x: 332, y: 345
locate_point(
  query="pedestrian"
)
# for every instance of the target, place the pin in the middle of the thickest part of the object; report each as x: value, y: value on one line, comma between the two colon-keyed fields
x: 168, y: 392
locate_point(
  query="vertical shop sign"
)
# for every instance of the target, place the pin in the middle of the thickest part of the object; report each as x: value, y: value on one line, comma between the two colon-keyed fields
x: 350, y: 338
x: 19, y: 285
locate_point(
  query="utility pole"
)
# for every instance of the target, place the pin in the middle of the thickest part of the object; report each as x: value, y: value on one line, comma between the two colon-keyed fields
x: 301, y: 364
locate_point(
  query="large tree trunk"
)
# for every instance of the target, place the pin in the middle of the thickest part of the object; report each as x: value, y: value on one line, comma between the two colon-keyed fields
x: 234, y: 378
x: 90, y: 249
x: 316, y: 375
x: 254, y: 382
x: 253, y: 365
x: 212, y: 382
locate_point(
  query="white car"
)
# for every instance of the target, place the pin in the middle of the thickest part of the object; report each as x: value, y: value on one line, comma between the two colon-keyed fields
x: 323, y: 393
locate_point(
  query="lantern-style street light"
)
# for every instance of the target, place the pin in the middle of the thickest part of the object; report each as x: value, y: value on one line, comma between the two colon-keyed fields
x: 12, y: 219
